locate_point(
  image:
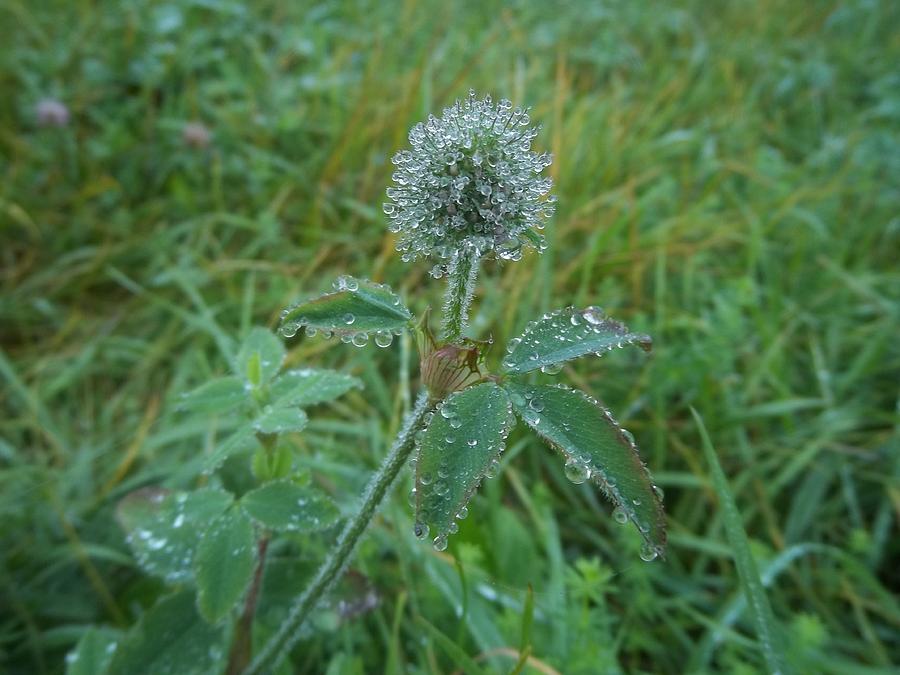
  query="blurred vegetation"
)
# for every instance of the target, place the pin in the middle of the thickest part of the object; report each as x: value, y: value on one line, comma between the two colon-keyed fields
x: 728, y: 177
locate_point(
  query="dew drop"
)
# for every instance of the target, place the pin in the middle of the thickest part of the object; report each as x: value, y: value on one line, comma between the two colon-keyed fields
x: 463, y: 512
x: 620, y: 516
x: 593, y: 315
x: 384, y: 339
x: 440, y: 542
x: 551, y: 368
x: 420, y: 530
x: 472, y: 442
x: 360, y: 340
x: 648, y: 552
x: 576, y: 471
x: 349, y: 318
x: 455, y: 422
x: 492, y: 469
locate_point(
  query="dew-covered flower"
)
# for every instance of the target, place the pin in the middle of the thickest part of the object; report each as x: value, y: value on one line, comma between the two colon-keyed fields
x: 470, y: 182
x: 50, y: 112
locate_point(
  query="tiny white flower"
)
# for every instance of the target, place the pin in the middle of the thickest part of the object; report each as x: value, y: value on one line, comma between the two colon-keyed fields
x: 470, y: 182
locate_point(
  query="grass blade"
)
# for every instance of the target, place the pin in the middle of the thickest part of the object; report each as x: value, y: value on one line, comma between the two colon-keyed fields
x: 767, y: 629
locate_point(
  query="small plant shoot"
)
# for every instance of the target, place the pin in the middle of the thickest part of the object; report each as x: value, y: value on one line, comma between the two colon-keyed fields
x: 211, y: 543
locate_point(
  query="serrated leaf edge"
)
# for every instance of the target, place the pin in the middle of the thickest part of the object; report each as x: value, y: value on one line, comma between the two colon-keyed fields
x: 627, y: 337
x: 599, y: 477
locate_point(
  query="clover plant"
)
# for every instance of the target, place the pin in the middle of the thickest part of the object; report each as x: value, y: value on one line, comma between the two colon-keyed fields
x: 469, y: 189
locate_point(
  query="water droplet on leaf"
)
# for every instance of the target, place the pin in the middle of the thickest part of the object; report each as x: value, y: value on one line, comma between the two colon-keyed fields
x: 577, y: 472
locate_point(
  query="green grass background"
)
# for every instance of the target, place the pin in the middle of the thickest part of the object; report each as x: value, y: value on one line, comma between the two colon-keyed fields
x: 728, y: 176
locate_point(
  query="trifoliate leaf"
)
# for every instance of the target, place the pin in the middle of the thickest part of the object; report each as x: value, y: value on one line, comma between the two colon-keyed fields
x: 163, y: 528
x: 170, y: 639
x: 310, y: 386
x: 595, y: 448
x: 260, y: 357
x: 285, y: 506
x: 223, y: 564
x: 460, y: 446
x: 356, y: 308
x: 565, y: 335
x: 216, y: 396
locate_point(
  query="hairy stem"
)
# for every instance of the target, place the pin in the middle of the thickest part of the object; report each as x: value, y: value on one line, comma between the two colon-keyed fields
x: 458, y: 296
x: 340, y: 555
x: 242, y: 643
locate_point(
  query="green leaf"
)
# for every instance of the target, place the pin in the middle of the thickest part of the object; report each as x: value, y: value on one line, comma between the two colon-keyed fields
x: 276, y: 420
x: 357, y: 306
x: 219, y: 395
x: 767, y: 629
x: 260, y: 356
x: 459, y: 447
x: 240, y: 440
x: 565, y: 335
x: 286, y: 506
x: 310, y: 386
x: 595, y: 447
x: 170, y: 639
x: 163, y: 528
x: 224, y: 564
x: 93, y: 652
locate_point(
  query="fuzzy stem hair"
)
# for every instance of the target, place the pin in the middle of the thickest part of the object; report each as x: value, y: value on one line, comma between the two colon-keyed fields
x: 458, y: 296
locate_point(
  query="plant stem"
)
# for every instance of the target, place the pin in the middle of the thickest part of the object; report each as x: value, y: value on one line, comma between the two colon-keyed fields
x: 242, y: 644
x: 458, y: 296
x: 334, y: 564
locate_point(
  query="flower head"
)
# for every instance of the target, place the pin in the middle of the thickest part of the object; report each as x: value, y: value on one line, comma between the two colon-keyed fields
x: 196, y: 135
x: 50, y: 112
x: 470, y: 181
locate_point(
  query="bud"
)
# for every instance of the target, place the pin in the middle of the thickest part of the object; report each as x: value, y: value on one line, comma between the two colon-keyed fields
x: 470, y: 183
x: 450, y: 368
